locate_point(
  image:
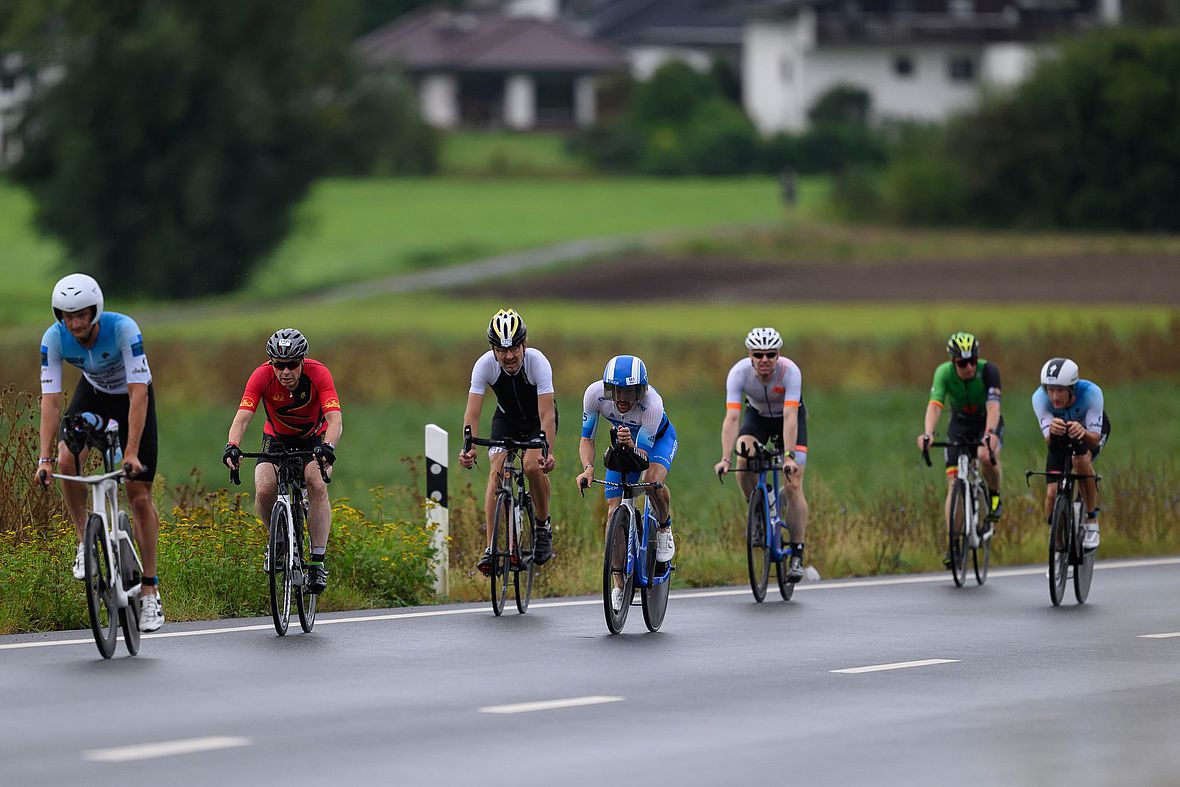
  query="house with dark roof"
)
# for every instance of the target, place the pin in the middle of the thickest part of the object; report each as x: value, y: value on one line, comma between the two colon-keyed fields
x: 921, y: 59
x: 492, y: 70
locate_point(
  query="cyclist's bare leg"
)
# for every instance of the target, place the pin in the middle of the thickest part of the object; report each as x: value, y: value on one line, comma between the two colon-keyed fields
x: 1084, y: 465
x: 74, y: 493
x: 538, y: 483
x: 146, y: 523
x: 266, y: 485
x: 1050, y: 496
x: 797, y: 511
x: 489, y: 499
x: 746, y: 481
x: 319, y: 508
x: 990, y: 473
x: 660, y: 499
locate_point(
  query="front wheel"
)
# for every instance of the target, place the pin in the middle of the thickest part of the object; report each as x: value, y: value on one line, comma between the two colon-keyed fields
x: 1059, y: 531
x: 280, y: 570
x: 501, y: 553
x: 614, y: 571
x: 758, y: 543
x: 526, y: 569
x: 101, y: 601
x: 957, y: 537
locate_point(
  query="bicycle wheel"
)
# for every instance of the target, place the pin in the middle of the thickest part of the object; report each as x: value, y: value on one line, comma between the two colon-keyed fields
x: 100, y: 591
x: 614, y: 570
x: 981, y: 555
x: 526, y: 569
x: 758, y: 543
x: 129, y: 568
x: 785, y: 589
x: 304, y: 602
x: 957, y: 533
x: 501, y: 553
x: 1059, y: 526
x: 1083, y: 570
x: 654, y: 597
x: 280, y: 570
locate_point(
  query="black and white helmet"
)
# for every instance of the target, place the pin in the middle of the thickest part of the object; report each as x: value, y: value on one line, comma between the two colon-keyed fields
x: 764, y: 339
x: 1059, y: 371
x: 506, y: 329
x: 74, y: 293
x: 287, y: 344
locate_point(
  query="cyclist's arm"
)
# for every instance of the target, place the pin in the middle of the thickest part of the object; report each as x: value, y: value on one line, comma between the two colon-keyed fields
x: 994, y: 392
x: 790, y: 427
x: 729, y: 431
x: 586, y: 454
x: 335, y: 426
x: 237, y: 429
x: 933, y: 413
x: 136, y: 419
x: 51, y: 405
x: 471, y: 414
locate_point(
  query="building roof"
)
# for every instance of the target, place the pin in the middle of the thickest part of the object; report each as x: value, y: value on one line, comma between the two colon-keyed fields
x: 436, y: 40
x: 666, y: 22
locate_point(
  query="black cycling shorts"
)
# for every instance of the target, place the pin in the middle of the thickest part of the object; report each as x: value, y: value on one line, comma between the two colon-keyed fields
x: 765, y: 428
x: 1062, y: 451
x: 88, y: 399
x: 272, y: 443
x: 965, y: 430
x: 504, y: 428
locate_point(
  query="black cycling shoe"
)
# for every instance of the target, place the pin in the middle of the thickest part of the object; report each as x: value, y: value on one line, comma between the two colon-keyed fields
x: 543, y: 548
x: 485, y: 563
x: 317, y: 578
x: 795, y: 572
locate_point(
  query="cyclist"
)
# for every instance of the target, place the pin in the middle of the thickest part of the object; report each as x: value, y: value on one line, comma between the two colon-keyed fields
x: 302, y: 414
x: 971, y: 387
x: 770, y: 384
x: 522, y: 380
x: 624, y: 398
x: 116, y: 384
x: 1075, y: 426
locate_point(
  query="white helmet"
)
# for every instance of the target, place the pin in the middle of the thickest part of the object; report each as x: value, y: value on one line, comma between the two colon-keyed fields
x: 1059, y: 371
x: 74, y: 293
x: 764, y: 339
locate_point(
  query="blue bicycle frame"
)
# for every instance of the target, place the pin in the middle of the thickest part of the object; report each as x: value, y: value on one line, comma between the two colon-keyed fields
x: 770, y: 463
x: 638, y: 543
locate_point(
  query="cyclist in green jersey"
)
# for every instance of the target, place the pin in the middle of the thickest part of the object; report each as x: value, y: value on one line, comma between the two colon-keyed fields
x: 970, y: 387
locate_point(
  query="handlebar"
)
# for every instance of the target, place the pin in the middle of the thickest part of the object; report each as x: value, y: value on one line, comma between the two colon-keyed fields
x: 236, y: 478
x: 649, y: 486
x: 506, y: 443
x: 928, y: 444
x: 1059, y: 476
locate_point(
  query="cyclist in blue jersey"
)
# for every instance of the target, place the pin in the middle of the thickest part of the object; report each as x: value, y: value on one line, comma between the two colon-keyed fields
x: 624, y: 398
x: 1073, y: 420
x: 116, y: 384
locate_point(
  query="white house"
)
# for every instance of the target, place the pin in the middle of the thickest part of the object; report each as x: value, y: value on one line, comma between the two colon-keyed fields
x: 923, y: 59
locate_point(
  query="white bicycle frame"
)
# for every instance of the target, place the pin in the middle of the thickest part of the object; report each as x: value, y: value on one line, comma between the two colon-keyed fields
x: 970, y: 476
x: 105, y: 504
x: 284, y: 499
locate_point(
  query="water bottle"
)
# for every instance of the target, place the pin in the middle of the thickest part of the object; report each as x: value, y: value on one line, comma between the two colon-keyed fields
x: 772, y: 501
x: 112, y: 435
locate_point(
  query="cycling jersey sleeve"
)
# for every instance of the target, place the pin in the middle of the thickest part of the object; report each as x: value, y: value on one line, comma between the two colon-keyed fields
x: 653, y: 417
x: 130, y: 342
x: 1040, y: 405
x: 991, y: 382
x: 321, y: 378
x: 590, y: 409
x: 792, y: 384
x: 256, y: 388
x: 938, y: 386
x: 51, y: 361
x: 540, y: 371
x: 485, y: 372
x: 734, y: 384
x: 1095, y: 405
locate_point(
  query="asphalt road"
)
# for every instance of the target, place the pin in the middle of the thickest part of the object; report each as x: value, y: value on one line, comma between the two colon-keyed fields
x: 1003, y: 689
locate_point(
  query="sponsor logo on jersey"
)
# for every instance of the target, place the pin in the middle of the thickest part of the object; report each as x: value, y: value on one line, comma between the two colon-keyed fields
x: 141, y: 369
x: 247, y: 402
x: 278, y: 397
x: 44, y: 355
x: 137, y: 345
x: 332, y: 403
x: 778, y: 389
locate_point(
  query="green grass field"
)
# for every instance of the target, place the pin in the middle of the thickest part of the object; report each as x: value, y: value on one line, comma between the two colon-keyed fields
x: 507, y: 153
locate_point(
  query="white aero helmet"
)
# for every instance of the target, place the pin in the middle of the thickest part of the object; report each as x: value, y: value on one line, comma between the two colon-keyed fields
x: 74, y: 293
x: 764, y: 339
x: 1059, y: 371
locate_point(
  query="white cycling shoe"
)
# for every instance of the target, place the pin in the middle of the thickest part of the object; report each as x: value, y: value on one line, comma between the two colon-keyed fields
x: 1091, y: 539
x: 665, y: 545
x: 151, y: 614
x: 616, y: 599
x: 80, y: 562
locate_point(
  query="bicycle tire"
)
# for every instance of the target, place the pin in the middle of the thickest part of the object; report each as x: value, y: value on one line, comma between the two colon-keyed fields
x: 758, y: 543
x: 781, y: 567
x: 101, y: 603
x: 129, y: 568
x: 981, y: 555
x: 614, y: 564
x: 526, y: 569
x: 501, y: 553
x: 957, y: 524
x: 280, y: 570
x: 1083, y: 571
x: 1059, y: 547
x: 654, y: 597
x: 305, y: 602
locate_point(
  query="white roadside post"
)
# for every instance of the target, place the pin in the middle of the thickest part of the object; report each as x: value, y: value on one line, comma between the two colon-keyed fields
x: 436, y: 504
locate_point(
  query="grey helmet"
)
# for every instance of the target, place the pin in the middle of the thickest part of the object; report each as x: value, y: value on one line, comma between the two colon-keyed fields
x: 286, y: 344
x: 1059, y: 371
x: 74, y: 293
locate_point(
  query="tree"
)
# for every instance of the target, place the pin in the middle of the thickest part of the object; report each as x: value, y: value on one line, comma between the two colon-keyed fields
x: 170, y: 152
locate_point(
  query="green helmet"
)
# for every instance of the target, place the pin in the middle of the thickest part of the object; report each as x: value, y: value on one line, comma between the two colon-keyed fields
x: 962, y: 345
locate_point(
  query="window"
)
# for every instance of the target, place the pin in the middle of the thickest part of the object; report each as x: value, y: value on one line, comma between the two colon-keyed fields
x: 903, y: 66
x: 961, y: 68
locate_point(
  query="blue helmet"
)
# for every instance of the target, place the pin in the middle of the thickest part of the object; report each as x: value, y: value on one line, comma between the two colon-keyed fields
x: 624, y: 372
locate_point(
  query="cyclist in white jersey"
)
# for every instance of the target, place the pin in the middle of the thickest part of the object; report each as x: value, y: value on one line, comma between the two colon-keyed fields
x: 770, y: 386
x: 116, y: 384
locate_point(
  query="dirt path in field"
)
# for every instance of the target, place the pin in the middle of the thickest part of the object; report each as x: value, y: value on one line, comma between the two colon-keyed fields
x: 1094, y: 278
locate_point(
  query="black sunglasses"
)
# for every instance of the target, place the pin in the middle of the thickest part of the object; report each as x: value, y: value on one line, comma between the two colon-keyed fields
x: 964, y: 363
x: 772, y: 355
x: 285, y: 364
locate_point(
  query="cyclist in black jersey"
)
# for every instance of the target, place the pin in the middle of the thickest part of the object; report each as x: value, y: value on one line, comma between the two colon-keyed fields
x: 522, y: 380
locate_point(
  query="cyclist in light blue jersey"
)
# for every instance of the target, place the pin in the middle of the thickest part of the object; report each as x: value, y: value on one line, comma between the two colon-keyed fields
x: 625, y: 399
x: 1073, y: 420
x: 117, y: 385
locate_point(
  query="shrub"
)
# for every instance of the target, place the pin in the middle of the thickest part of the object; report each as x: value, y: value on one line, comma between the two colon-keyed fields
x: 721, y: 140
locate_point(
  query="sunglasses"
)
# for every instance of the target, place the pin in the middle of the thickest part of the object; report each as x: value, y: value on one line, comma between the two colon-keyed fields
x: 964, y: 363
x: 771, y: 355
x: 285, y: 364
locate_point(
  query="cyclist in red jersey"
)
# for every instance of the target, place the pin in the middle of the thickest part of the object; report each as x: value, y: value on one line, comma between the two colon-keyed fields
x: 302, y: 413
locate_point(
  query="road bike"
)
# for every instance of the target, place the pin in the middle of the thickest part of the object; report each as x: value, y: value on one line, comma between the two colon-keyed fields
x: 514, y: 524
x: 629, y: 561
x: 765, y: 526
x: 1066, y: 531
x: 970, y: 525
x: 110, y: 549
x: 289, y: 542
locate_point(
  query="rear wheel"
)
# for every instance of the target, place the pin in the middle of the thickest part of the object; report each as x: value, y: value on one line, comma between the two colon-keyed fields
x: 280, y: 570
x: 655, y: 595
x: 758, y: 543
x: 614, y: 571
x: 786, y: 589
x: 501, y: 553
x: 100, y: 592
x: 305, y: 602
x: 129, y: 568
x: 957, y: 542
x: 1059, y: 525
x: 981, y: 555
x: 526, y: 570
x: 1083, y: 570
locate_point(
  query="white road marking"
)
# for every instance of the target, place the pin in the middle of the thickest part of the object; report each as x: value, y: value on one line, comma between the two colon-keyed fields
x: 836, y: 584
x: 528, y: 707
x: 148, y: 751
x: 896, y: 665
x: 1169, y: 635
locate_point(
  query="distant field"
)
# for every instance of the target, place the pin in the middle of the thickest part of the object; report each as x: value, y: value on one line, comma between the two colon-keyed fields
x: 501, y: 153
